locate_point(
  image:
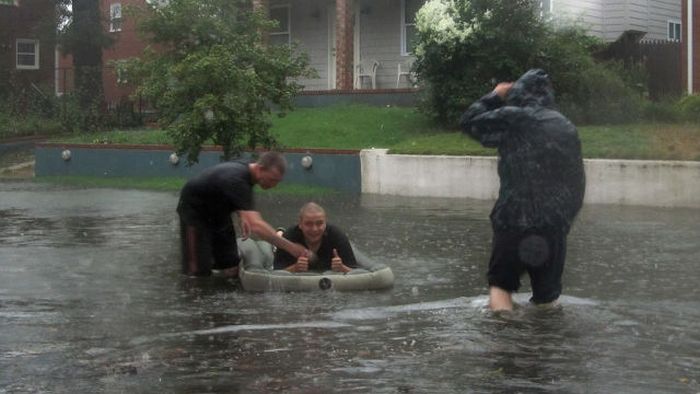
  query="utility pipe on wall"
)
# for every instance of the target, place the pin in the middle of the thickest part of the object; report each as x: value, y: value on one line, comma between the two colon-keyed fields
x: 689, y: 24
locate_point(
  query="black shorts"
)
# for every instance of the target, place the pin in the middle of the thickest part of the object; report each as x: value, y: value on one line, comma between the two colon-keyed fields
x: 207, y: 245
x: 539, y: 252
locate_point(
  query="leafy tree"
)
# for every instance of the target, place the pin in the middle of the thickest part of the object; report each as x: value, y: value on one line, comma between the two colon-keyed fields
x: 211, y: 75
x: 84, y: 37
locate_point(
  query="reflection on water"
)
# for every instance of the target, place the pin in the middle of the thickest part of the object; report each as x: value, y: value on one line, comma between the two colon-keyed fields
x: 91, y: 301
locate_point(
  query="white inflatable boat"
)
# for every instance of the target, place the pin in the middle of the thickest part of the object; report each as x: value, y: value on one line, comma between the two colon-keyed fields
x: 257, y: 274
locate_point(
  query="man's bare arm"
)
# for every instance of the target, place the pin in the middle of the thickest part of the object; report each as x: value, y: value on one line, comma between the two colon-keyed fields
x: 253, y: 221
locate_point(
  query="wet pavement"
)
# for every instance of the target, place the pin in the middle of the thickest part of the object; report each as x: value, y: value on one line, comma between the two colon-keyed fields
x: 91, y: 301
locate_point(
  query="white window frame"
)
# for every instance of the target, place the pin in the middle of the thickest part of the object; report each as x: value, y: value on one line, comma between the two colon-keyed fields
x: 114, y: 18
x: 404, y: 49
x: 120, y: 72
x: 546, y: 12
x: 158, y: 3
x: 674, y: 22
x: 36, y: 52
x: 287, y: 32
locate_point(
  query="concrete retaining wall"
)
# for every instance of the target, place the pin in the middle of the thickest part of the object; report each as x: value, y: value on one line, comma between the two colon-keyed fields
x: 628, y: 182
x: 331, y: 168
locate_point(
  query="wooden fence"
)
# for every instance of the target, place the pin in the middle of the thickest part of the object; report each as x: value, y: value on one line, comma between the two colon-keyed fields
x: 661, y: 59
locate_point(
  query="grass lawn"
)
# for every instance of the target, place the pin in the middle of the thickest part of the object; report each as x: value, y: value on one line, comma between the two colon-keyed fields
x: 406, y: 131
x: 135, y: 137
x: 13, y: 127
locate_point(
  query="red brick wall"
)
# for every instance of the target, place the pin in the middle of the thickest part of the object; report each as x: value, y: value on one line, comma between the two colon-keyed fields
x: 127, y: 44
x: 65, y: 74
x: 344, y: 44
x: 32, y: 19
x: 696, y: 45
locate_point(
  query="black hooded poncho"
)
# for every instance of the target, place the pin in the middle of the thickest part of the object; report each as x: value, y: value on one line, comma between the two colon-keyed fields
x: 540, y: 164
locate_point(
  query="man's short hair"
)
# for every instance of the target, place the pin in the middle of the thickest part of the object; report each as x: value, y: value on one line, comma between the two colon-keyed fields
x: 311, y: 207
x: 272, y: 159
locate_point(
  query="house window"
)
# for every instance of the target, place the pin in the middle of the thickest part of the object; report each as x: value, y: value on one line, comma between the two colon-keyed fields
x: 281, y: 35
x: 545, y: 8
x: 674, y: 30
x: 115, y: 17
x: 27, y: 54
x: 409, y: 8
x: 158, y: 3
x: 120, y: 71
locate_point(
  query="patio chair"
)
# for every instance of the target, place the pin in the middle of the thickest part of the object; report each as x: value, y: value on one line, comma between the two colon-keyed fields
x: 404, y: 70
x: 367, y: 70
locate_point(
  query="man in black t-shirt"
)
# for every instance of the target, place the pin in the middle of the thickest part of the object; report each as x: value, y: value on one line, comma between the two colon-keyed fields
x: 207, y: 202
x: 327, y: 242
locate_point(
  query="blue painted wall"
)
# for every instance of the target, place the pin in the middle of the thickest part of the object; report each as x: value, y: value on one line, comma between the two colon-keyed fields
x: 339, y: 171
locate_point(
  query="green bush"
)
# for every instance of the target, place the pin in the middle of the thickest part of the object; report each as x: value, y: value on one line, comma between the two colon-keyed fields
x: 661, y: 111
x: 464, y: 49
x: 12, y: 126
x: 21, y: 97
x: 70, y: 114
x: 75, y: 119
x: 689, y: 107
x: 124, y: 115
x: 600, y: 96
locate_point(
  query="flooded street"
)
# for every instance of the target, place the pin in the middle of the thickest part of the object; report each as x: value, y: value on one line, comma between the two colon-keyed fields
x: 91, y: 300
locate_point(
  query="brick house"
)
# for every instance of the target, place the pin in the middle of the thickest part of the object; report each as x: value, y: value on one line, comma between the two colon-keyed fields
x: 126, y: 45
x: 27, y: 43
x: 690, y: 49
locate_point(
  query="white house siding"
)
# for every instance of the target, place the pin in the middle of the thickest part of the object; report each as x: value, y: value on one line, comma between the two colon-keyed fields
x: 309, y: 28
x: 661, y: 11
x: 608, y: 19
x: 639, y: 15
x: 380, y: 38
x: 586, y: 13
x: 615, y: 19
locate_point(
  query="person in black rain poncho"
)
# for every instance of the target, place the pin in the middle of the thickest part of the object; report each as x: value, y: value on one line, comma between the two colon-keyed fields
x: 542, y: 185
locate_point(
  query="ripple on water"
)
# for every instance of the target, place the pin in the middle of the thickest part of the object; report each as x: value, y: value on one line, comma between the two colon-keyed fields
x: 122, y: 319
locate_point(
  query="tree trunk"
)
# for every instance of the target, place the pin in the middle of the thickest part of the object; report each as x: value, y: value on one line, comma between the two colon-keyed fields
x: 87, y: 53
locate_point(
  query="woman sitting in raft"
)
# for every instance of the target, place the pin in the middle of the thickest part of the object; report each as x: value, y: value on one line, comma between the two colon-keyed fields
x: 330, y: 246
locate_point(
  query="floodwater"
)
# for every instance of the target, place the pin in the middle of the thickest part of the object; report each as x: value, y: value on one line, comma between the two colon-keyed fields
x: 91, y: 301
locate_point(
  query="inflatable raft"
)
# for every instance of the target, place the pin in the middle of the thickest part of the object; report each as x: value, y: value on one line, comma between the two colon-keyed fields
x: 257, y: 274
